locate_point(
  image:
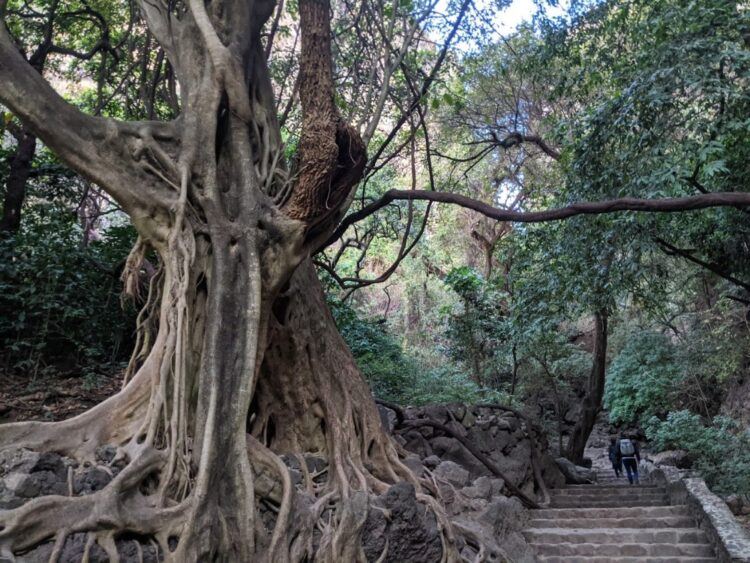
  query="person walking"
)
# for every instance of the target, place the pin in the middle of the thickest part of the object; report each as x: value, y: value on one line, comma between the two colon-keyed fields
x: 614, y: 457
x: 631, y: 456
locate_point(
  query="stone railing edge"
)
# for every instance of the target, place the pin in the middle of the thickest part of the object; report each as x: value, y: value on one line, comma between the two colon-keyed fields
x: 731, y: 540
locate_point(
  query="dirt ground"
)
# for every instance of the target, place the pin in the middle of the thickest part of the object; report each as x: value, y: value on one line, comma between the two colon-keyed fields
x: 50, y: 399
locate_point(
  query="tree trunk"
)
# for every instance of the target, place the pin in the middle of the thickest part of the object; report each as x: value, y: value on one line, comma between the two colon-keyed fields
x: 15, y: 186
x: 592, y: 400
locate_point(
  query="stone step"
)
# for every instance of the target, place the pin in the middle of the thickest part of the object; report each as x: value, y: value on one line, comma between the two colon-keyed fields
x: 620, y: 550
x: 607, y: 502
x: 623, y: 494
x: 579, y: 559
x: 601, y: 489
x: 615, y: 536
x: 626, y: 522
x: 614, y: 512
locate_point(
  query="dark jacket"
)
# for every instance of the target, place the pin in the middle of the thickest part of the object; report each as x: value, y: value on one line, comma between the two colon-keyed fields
x: 614, y: 453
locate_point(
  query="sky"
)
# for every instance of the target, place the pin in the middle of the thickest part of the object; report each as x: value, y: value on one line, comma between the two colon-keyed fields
x: 523, y: 10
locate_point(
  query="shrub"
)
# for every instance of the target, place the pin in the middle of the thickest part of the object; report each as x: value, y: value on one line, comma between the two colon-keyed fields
x: 720, y: 451
x: 59, y: 302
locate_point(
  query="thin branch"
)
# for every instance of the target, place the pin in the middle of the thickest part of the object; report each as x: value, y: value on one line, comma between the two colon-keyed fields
x: 715, y: 268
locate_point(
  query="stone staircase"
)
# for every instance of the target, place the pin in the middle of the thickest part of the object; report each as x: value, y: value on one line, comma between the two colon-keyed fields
x: 612, y: 521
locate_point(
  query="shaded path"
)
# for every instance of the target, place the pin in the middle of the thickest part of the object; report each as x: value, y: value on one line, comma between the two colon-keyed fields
x: 612, y: 521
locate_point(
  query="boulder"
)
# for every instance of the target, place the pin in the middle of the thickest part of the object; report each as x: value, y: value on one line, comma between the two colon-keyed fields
x: 483, y: 439
x: 676, y: 458
x: 575, y: 474
x: 452, y: 450
x: 413, y: 462
x: 438, y: 413
x: 452, y: 473
x: 517, y: 466
x: 417, y: 443
x: 482, y: 487
x: 468, y: 419
x: 388, y: 418
x: 551, y: 473
x: 431, y: 462
x: 410, y: 532
x: 457, y: 427
x: 458, y: 410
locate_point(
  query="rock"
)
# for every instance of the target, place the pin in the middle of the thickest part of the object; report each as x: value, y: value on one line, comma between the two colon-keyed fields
x: 458, y: 410
x: 505, y: 514
x: 388, y: 418
x: 410, y: 533
x: 587, y: 462
x: 575, y: 474
x: 417, y: 444
x: 551, y: 473
x: 512, y: 421
x: 413, y: 462
x: 452, y: 473
x: 426, y: 431
x: 106, y: 453
x: 480, y: 488
x: 504, y: 425
x: 468, y: 419
x: 497, y: 487
x: 677, y: 458
x: 431, y: 462
x: 483, y: 439
x: 411, y: 413
x: 457, y: 427
x: 517, y: 465
x: 51, y: 462
x: 451, y: 449
x: 74, y: 549
x: 315, y: 463
x: 438, y: 413
x: 17, y: 460
x: 734, y: 502
x: 90, y: 481
x: 8, y: 498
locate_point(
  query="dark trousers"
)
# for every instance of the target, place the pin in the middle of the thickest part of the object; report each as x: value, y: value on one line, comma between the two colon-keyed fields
x: 631, y: 467
x: 617, y: 466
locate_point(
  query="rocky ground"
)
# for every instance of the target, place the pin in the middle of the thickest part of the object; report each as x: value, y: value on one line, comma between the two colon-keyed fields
x: 478, y: 501
x: 481, y: 497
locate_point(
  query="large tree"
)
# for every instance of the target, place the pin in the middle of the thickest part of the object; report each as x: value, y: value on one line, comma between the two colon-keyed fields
x: 244, y: 361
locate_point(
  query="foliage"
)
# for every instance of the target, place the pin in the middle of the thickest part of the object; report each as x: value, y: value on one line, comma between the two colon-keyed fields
x: 59, y: 302
x: 397, y: 376
x: 477, y: 331
x: 378, y: 354
x: 643, y: 379
x: 720, y: 451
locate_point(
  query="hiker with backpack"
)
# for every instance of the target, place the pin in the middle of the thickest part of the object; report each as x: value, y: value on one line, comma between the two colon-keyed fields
x: 630, y: 456
x: 614, y: 457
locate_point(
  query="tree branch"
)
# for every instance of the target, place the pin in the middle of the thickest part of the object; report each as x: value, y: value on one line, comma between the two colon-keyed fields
x: 664, y: 205
x: 90, y: 145
x: 711, y: 267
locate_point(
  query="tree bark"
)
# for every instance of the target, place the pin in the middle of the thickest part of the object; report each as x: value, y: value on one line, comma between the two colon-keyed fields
x: 592, y: 400
x: 15, y: 186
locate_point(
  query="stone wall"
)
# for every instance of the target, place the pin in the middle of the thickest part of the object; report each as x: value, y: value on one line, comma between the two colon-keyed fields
x: 729, y: 538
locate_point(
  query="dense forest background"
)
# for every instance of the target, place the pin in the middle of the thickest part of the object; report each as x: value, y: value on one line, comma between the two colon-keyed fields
x: 437, y: 302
